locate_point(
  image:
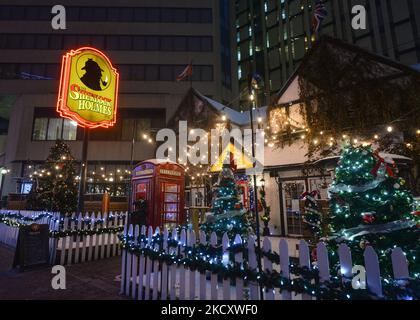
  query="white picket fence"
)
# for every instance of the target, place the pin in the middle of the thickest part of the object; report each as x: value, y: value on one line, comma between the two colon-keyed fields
x: 71, y: 249
x: 147, y: 279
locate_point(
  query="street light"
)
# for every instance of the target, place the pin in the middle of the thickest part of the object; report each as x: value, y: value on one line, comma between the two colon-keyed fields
x: 255, y: 83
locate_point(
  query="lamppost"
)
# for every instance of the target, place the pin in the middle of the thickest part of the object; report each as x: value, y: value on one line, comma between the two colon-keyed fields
x: 253, y: 85
x: 266, y: 216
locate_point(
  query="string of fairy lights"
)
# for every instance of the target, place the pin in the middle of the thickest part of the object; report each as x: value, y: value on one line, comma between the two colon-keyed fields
x: 282, y: 126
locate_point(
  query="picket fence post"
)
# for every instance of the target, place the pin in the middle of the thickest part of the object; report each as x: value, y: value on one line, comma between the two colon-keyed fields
x: 182, y: 270
x: 142, y: 264
x: 252, y: 262
x: 239, y: 259
x: 213, y: 277
x: 164, y: 286
x: 203, y: 242
x: 399, y: 264
x: 285, y: 266
x: 192, y: 243
x: 135, y: 261
x: 156, y: 269
x: 268, y: 267
x: 123, y: 263
x: 373, y: 275
x: 304, y: 261
x: 346, y: 263
x: 128, y: 264
x: 148, y: 264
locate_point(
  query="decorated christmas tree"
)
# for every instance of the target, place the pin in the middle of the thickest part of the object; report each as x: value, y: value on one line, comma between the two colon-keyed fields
x: 313, y: 214
x: 227, y: 213
x: 54, y: 187
x: 370, y: 206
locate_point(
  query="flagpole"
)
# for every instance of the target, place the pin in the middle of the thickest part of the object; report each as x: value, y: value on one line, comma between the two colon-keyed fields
x: 191, y: 76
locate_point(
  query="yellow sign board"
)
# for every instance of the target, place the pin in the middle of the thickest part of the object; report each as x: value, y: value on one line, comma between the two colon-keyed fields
x: 88, y: 91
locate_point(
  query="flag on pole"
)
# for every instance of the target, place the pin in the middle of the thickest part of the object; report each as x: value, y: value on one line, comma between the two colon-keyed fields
x: 320, y: 12
x: 188, y: 72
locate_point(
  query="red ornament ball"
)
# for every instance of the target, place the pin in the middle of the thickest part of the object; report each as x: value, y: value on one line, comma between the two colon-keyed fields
x: 368, y: 218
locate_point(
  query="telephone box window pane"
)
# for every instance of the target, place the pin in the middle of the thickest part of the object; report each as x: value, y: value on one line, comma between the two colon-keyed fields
x: 171, y: 197
x: 169, y: 187
x: 40, y: 129
x: 54, y: 129
x: 170, y: 216
x: 171, y: 207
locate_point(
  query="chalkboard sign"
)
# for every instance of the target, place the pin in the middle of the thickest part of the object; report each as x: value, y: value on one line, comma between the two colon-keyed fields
x: 32, y: 246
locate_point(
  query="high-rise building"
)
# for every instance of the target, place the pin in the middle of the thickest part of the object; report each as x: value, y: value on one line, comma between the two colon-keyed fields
x: 272, y: 36
x: 150, y: 43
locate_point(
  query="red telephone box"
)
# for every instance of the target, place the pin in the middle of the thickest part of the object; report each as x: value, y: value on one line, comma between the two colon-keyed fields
x: 162, y: 185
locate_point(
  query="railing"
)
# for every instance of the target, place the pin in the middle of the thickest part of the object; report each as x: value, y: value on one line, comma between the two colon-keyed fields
x: 74, y: 239
x: 177, y: 265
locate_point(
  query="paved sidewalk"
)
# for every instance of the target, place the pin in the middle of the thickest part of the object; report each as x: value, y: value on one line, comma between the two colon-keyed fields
x: 89, y: 281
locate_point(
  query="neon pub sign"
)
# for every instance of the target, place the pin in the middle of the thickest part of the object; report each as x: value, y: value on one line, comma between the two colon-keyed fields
x: 88, y: 92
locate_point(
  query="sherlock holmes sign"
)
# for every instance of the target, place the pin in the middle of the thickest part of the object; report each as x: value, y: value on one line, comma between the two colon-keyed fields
x: 88, y: 90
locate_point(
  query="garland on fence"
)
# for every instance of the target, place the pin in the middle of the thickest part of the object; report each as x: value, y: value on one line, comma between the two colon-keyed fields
x: 204, y: 258
x: 65, y: 233
x: 20, y: 217
x: 17, y: 220
x: 85, y: 232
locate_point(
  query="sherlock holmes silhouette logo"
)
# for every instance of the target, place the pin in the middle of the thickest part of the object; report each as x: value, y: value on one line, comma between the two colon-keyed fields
x: 94, y: 76
x: 88, y: 89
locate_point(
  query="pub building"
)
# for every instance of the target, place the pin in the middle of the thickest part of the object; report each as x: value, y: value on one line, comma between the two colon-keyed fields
x: 149, y: 44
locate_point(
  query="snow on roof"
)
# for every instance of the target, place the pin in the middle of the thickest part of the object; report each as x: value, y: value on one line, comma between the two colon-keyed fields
x: 381, y: 154
x: 159, y: 161
x: 288, y: 155
x: 239, y: 118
